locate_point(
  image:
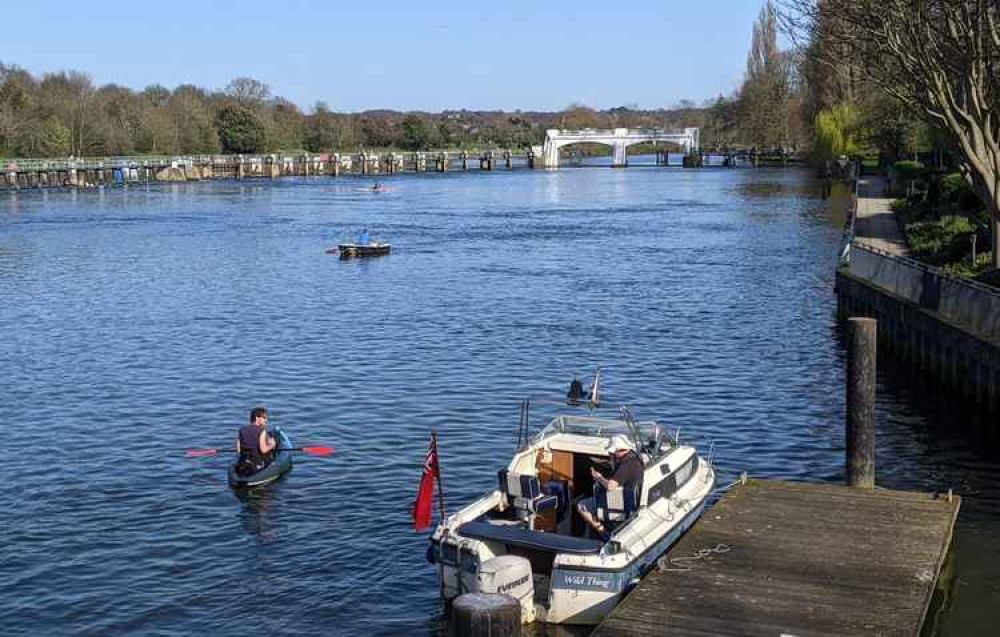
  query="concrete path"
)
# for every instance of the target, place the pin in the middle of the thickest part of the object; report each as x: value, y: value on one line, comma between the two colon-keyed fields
x: 875, y: 224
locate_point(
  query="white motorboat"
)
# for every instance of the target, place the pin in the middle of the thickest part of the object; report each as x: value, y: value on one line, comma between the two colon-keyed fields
x: 526, y: 538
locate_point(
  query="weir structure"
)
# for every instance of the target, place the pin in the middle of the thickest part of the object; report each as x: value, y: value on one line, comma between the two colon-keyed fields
x: 619, y: 139
x: 89, y: 172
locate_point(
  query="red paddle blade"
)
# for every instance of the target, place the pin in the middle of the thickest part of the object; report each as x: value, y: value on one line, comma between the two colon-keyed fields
x: 318, y: 451
x: 200, y: 453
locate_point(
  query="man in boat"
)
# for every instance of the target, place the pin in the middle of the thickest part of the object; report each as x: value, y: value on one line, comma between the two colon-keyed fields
x: 255, y: 444
x: 575, y: 394
x: 364, y: 238
x: 627, y: 472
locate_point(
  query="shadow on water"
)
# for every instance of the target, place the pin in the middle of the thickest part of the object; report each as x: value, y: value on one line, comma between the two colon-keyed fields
x: 256, y: 515
x: 777, y: 188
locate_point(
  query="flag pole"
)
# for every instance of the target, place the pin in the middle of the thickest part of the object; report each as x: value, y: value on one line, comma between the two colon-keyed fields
x: 437, y: 456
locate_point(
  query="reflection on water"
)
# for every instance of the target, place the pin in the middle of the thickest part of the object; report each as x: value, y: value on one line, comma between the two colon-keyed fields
x: 255, y: 511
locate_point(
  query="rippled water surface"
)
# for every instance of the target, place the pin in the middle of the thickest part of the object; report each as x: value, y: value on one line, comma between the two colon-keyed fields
x: 139, y: 323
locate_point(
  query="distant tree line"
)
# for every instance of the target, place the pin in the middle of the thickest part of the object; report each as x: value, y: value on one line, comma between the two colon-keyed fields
x: 65, y: 113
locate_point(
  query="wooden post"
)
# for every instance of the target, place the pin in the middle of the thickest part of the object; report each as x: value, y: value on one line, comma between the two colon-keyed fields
x: 861, y: 357
x: 485, y: 615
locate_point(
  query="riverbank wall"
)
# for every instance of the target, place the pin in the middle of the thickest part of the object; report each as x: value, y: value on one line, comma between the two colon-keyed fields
x: 943, y: 326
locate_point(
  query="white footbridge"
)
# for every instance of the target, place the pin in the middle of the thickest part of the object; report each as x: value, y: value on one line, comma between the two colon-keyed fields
x: 618, y: 138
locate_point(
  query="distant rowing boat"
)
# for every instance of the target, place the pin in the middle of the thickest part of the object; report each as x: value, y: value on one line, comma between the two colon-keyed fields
x: 349, y: 250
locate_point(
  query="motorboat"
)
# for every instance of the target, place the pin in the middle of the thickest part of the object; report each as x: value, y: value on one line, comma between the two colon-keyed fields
x: 350, y: 250
x: 526, y: 539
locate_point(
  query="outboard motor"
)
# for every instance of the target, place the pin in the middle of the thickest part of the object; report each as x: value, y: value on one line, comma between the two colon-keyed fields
x: 509, y: 575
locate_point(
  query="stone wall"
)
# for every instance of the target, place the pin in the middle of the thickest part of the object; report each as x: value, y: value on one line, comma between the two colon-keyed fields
x: 957, y: 355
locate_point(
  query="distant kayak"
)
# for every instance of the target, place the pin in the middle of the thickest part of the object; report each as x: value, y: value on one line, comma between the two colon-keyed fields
x: 282, y: 462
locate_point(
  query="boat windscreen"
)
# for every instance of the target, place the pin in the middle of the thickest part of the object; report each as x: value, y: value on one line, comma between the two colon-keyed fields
x: 597, y: 427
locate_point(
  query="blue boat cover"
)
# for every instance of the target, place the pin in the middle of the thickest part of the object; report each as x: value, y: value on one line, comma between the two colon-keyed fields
x: 513, y: 535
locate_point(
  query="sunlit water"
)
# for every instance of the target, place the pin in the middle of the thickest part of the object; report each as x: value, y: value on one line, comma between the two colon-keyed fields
x: 139, y: 323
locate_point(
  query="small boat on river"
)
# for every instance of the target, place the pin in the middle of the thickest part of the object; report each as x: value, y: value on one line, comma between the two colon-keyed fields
x: 275, y: 469
x: 526, y: 538
x: 351, y: 250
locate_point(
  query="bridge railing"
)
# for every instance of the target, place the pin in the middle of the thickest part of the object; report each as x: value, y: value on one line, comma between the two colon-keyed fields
x: 610, y: 132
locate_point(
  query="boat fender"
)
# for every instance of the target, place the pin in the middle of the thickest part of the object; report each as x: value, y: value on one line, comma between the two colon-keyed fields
x: 632, y: 583
x: 431, y: 554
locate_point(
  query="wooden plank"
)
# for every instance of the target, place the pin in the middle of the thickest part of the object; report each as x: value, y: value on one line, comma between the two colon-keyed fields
x: 803, y: 560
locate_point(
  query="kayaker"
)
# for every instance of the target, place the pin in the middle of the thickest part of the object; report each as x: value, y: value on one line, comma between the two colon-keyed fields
x: 364, y: 238
x: 627, y: 473
x: 255, y: 444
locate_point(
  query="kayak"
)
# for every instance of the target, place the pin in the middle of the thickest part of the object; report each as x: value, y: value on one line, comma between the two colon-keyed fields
x: 282, y: 462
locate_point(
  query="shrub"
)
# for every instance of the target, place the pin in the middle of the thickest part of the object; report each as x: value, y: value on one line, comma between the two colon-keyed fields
x: 909, y: 169
x: 940, y: 242
x: 949, y: 185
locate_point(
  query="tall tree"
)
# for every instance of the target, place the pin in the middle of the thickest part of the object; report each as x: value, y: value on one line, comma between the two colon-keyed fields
x: 248, y: 92
x: 764, y: 97
x: 69, y: 97
x: 941, y: 58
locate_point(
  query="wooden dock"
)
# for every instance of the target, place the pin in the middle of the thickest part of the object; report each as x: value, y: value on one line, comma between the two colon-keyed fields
x: 802, y: 560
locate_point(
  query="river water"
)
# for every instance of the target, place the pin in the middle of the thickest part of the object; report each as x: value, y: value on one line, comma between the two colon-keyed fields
x: 139, y: 323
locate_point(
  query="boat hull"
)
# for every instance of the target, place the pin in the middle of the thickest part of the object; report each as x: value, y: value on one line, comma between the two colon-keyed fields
x: 278, y: 467
x: 352, y: 250
x: 587, y: 596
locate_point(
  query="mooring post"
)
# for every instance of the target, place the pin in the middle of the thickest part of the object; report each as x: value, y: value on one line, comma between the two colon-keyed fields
x: 485, y: 615
x: 861, y: 356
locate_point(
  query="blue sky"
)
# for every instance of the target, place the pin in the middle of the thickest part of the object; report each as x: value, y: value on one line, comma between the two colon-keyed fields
x: 419, y: 55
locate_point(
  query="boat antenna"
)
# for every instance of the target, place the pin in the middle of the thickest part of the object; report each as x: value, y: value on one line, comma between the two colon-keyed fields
x: 522, y: 427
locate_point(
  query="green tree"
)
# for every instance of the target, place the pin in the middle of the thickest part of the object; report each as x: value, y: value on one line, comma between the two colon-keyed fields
x: 577, y: 117
x: 56, y: 138
x: 240, y: 130
x: 417, y: 133
x: 833, y: 132
x: 286, y: 128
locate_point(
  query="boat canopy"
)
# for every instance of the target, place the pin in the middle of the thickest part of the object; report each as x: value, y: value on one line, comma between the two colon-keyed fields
x: 514, y: 535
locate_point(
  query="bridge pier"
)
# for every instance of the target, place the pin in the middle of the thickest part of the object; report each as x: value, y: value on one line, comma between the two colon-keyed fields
x: 620, y: 156
x: 465, y: 160
x: 441, y: 162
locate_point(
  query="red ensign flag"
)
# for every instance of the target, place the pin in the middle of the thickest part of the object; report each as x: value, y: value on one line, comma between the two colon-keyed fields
x: 425, y: 497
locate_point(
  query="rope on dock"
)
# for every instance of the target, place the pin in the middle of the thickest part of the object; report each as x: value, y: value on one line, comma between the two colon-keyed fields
x: 672, y: 565
x: 741, y: 480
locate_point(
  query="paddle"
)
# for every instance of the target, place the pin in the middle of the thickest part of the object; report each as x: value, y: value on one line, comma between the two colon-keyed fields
x: 312, y: 451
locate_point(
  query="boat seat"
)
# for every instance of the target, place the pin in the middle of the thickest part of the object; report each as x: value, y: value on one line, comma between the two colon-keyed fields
x: 615, y: 505
x: 524, y: 494
x: 560, y: 489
